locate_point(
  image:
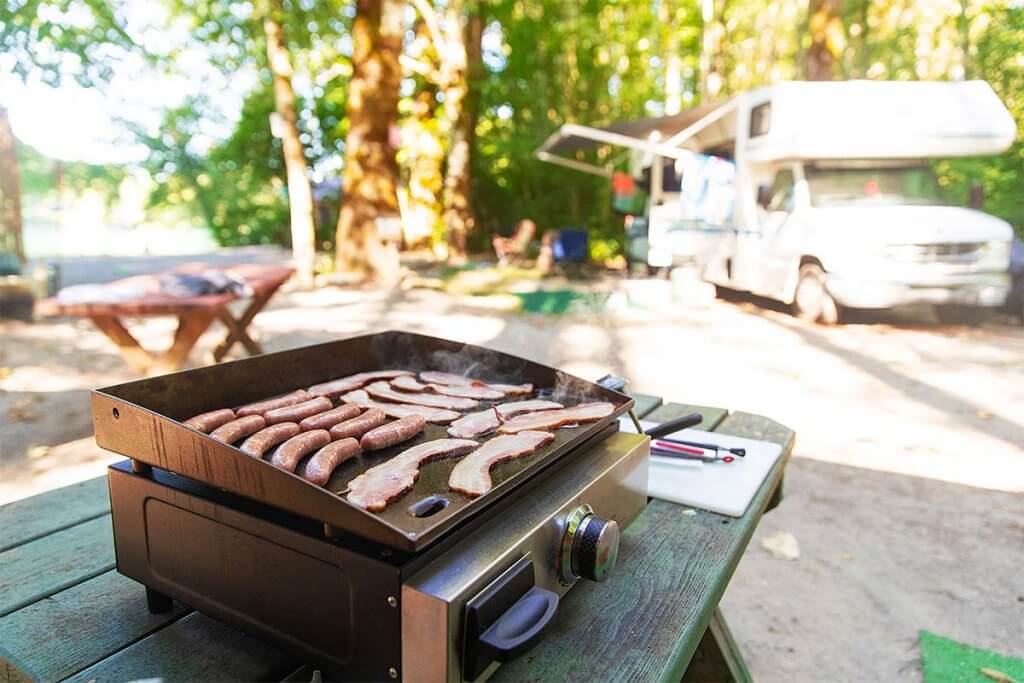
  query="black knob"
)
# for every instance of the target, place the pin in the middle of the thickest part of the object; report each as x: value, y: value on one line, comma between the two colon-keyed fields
x: 595, y: 548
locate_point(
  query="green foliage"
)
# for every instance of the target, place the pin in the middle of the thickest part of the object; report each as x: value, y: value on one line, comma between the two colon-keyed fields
x: 41, y: 175
x: 58, y: 39
x: 557, y: 64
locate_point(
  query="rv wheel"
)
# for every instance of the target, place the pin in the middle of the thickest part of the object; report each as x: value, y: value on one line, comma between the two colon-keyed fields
x: 812, y: 302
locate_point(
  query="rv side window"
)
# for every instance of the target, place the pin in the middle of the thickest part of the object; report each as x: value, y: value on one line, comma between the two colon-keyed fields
x: 760, y: 119
x: 781, y: 196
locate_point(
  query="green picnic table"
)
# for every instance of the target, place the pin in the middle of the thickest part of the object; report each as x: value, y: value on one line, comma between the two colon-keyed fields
x: 65, y: 612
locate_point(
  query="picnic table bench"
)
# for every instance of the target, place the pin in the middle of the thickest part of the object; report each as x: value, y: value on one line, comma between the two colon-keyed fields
x: 195, y: 314
x: 65, y: 612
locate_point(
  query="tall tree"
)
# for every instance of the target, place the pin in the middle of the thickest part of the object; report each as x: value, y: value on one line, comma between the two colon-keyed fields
x: 826, y: 32
x: 300, y: 195
x: 456, y: 42
x: 10, y: 190
x: 370, y: 176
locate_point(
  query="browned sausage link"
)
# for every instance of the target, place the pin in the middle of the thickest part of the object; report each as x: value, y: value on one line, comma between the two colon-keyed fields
x: 374, y: 417
x: 207, y: 422
x: 291, y: 451
x: 290, y: 399
x: 330, y: 418
x: 392, y: 433
x: 258, y: 444
x: 321, y: 465
x: 297, y: 412
x: 240, y: 428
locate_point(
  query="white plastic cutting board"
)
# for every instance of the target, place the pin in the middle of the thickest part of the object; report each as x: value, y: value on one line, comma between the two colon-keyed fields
x: 726, y: 488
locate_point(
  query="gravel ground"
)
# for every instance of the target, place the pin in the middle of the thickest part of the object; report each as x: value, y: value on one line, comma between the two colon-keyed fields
x: 904, y: 494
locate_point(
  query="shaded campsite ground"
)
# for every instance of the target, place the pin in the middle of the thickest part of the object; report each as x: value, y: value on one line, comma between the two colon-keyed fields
x: 905, y: 429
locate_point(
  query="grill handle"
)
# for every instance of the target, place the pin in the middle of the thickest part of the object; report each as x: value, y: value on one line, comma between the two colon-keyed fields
x: 666, y: 428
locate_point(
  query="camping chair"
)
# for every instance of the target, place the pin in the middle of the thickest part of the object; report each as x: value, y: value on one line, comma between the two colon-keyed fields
x: 508, y: 249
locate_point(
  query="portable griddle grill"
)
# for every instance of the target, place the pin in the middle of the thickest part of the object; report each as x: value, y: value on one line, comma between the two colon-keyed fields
x: 437, y: 587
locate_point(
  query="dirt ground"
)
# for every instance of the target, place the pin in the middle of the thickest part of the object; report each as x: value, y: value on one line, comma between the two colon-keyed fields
x: 905, y: 493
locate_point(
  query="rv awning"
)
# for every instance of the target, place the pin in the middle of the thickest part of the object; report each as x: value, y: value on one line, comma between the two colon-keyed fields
x: 661, y: 135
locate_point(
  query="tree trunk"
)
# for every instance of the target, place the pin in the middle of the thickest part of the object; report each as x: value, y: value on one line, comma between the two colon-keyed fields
x: 300, y: 195
x: 370, y: 177
x: 458, y: 213
x: 823, y: 23
x: 10, y: 190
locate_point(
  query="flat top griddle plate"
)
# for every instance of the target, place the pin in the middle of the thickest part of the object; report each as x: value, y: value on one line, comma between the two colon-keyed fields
x: 141, y: 420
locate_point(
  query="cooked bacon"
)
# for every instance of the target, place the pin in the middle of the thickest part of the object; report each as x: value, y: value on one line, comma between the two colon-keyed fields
x: 507, y: 410
x: 381, y: 390
x: 408, y: 383
x: 478, y: 390
x: 451, y: 380
x: 376, y: 487
x: 513, y: 389
x: 446, y: 378
x: 352, y: 382
x: 472, y: 475
x: 475, y: 424
x: 552, y: 419
x: 436, y: 415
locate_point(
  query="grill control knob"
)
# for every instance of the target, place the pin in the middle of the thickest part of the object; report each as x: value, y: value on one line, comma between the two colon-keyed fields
x: 589, y: 547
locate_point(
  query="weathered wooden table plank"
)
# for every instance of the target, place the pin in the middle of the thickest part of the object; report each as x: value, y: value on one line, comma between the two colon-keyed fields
x: 90, y: 622
x: 669, y: 411
x: 26, y: 520
x: 195, y: 648
x: 646, y: 621
x: 645, y: 403
x: 40, y: 568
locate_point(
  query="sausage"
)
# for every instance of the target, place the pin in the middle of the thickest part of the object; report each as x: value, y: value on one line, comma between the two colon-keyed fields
x: 258, y: 444
x: 289, y: 453
x: 231, y: 432
x: 290, y: 399
x: 299, y: 411
x: 357, y: 426
x: 318, y: 469
x: 392, y: 433
x: 207, y: 422
x: 330, y: 418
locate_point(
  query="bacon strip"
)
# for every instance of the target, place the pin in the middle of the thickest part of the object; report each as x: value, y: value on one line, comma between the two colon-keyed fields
x: 381, y: 390
x: 376, y: 487
x: 552, y: 419
x: 451, y: 380
x: 472, y: 475
x: 352, y: 382
x: 436, y: 415
x: 475, y: 424
x: 513, y: 389
x: 480, y: 390
x: 507, y: 410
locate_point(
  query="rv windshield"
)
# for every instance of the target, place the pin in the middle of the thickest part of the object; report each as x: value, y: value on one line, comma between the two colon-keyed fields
x: 874, y: 186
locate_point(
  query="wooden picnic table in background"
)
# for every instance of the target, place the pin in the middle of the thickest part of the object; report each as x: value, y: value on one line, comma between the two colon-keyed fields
x: 65, y: 612
x: 195, y: 314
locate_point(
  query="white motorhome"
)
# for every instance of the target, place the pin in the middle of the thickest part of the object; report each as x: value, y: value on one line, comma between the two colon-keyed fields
x: 821, y: 195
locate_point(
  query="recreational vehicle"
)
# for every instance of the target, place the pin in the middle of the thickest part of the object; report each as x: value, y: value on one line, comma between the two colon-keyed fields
x: 820, y: 195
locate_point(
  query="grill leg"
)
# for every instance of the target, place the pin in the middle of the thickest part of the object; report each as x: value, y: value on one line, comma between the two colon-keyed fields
x: 157, y: 602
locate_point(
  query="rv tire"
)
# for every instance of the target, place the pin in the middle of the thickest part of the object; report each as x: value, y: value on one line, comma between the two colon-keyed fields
x: 812, y: 301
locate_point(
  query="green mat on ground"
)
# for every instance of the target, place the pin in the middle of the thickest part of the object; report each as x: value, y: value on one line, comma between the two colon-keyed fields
x: 559, y: 301
x: 947, y: 661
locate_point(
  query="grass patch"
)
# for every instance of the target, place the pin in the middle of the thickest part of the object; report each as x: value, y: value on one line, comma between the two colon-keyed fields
x: 947, y: 661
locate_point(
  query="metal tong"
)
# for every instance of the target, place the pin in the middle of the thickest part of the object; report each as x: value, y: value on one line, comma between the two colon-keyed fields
x: 683, y: 449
